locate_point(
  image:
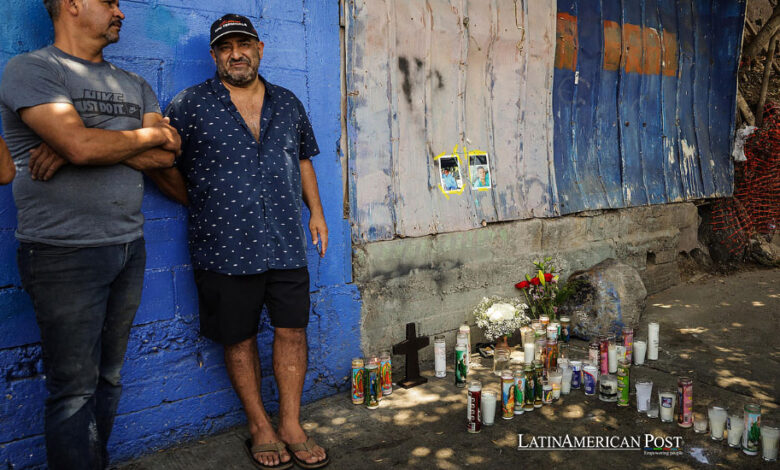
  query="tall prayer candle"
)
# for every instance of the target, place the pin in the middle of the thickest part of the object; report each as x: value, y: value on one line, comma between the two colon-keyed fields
x: 653, y: 330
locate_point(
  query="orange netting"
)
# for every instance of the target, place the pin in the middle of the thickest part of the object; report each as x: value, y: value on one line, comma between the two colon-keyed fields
x: 755, y: 207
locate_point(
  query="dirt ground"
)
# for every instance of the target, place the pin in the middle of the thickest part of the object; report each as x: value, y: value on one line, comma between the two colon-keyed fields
x: 720, y: 330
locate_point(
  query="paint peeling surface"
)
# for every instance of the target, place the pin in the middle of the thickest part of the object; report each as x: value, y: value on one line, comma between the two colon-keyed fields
x: 581, y: 105
x: 649, y: 116
x: 424, y: 76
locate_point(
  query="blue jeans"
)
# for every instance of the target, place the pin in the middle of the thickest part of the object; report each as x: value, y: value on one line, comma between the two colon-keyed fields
x: 85, y: 300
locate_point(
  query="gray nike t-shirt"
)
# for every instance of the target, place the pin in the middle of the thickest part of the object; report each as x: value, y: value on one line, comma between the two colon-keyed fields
x: 80, y: 205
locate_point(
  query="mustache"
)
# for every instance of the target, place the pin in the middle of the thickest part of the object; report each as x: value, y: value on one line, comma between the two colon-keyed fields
x: 242, y: 60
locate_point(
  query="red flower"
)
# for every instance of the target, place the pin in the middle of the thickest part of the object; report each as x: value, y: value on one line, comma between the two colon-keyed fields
x: 535, y: 281
x: 522, y: 285
x: 548, y: 277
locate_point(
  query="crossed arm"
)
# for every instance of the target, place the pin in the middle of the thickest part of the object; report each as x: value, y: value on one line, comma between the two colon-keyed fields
x: 61, y: 127
x: 7, y: 168
x: 151, y: 149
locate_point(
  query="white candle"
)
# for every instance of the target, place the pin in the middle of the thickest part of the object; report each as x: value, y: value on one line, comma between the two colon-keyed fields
x: 528, y: 352
x: 653, y: 332
x: 612, y: 352
x: 566, y: 380
x: 769, y: 438
x: 717, y: 417
x: 735, y: 430
x: 488, y: 407
x: 640, y: 348
x: 666, y: 403
x: 556, y: 378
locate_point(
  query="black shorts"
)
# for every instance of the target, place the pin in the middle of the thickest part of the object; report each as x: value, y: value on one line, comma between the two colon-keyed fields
x: 230, y: 306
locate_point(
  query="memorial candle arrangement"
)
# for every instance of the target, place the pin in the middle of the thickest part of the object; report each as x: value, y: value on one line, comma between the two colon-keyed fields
x: 532, y: 383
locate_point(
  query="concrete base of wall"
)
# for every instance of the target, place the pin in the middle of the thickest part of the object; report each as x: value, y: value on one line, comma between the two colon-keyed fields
x: 437, y: 280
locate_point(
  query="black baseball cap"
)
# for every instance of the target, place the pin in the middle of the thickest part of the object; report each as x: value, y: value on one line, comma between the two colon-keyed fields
x: 231, y: 24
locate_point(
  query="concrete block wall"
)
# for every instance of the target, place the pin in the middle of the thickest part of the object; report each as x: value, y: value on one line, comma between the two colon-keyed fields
x: 437, y: 280
x: 176, y: 388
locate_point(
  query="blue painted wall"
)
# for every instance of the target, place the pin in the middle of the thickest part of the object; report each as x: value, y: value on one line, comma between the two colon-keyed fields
x: 175, y: 384
x: 657, y: 126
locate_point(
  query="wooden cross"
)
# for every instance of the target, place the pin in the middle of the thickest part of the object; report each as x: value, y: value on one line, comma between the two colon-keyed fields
x: 410, y: 348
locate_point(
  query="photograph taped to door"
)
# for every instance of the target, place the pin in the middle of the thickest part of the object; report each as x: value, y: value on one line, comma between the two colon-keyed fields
x: 450, y: 173
x: 479, y: 170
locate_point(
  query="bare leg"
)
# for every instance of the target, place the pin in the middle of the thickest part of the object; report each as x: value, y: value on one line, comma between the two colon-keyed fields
x: 243, y: 366
x: 290, y: 351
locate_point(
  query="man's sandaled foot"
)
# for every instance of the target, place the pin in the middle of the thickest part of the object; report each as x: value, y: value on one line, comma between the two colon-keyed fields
x: 273, y: 447
x: 307, y: 447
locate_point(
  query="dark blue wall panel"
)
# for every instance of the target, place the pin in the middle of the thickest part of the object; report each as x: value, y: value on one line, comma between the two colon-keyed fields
x: 658, y: 127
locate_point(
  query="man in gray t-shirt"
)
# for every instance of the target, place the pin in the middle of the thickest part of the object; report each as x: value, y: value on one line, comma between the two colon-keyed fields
x: 80, y: 130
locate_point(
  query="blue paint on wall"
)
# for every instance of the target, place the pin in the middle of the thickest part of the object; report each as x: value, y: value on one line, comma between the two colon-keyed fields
x: 635, y: 135
x: 176, y: 388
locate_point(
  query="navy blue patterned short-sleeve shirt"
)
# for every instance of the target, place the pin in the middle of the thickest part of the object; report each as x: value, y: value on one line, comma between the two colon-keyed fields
x: 245, y: 196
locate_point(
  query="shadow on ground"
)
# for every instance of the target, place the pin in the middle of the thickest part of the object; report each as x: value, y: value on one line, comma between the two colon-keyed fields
x: 723, y: 332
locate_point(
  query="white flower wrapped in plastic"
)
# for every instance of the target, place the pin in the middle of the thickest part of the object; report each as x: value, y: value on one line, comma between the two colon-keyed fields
x: 499, y: 317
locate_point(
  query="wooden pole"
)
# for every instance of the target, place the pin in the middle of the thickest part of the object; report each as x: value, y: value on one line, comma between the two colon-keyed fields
x: 754, y: 31
x: 744, y: 108
x: 770, y: 56
x: 764, y: 35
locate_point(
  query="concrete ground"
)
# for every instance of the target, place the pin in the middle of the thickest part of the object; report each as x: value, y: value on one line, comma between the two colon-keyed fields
x: 722, y: 331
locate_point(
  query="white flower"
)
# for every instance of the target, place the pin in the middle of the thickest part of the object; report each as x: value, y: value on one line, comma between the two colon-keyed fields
x: 500, y: 311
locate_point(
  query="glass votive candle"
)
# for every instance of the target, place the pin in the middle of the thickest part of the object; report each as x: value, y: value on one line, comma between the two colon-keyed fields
x: 488, y: 407
x: 555, y: 377
x: 547, y: 393
x: 608, y: 388
x: 644, y: 390
x: 528, y: 351
x: 666, y: 400
x: 566, y: 380
x: 652, y: 410
x: 640, y: 349
x: 735, y: 427
x: 769, y: 437
x: 718, y: 416
x: 699, y: 423
x: 612, y: 355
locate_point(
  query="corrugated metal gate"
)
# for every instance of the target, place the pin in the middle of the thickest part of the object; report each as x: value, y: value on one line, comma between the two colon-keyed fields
x: 634, y: 106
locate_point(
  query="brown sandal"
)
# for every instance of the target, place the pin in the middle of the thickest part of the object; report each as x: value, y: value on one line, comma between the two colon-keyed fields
x: 277, y: 447
x: 306, y: 447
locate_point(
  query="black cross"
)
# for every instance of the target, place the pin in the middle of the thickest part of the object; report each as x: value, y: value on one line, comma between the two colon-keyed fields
x: 410, y: 347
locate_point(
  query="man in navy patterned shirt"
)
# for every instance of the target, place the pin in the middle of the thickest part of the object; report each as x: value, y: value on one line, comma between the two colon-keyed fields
x: 246, y: 145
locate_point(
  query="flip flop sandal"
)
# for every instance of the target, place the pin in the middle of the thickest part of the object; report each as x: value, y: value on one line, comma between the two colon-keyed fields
x: 307, y: 446
x: 271, y: 447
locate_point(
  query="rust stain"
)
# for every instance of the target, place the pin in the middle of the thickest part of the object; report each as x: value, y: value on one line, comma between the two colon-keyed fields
x: 612, y: 45
x: 632, y: 48
x: 566, y: 46
x: 669, y: 65
x: 651, y: 63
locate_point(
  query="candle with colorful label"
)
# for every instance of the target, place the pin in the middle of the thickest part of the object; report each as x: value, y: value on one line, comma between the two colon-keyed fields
x: 473, y: 410
x: 358, y: 396
x: 507, y: 394
x: 628, y: 342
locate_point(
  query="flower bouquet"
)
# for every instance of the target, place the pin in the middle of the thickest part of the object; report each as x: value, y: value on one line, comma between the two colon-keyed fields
x: 542, y: 292
x: 499, y: 317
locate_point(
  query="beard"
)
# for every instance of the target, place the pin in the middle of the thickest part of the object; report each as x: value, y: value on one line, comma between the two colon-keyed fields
x: 111, y: 36
x: 239, y: 78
